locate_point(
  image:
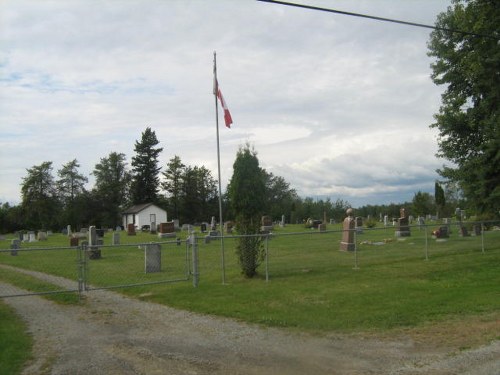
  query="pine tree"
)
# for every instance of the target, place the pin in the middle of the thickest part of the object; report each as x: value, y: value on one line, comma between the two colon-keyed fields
x: 145, y: 169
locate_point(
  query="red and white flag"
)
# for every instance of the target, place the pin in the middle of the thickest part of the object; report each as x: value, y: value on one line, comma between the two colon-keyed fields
x: 227, y: 115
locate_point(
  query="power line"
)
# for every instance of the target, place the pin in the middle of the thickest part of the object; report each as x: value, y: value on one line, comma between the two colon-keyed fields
x: 378, y: 18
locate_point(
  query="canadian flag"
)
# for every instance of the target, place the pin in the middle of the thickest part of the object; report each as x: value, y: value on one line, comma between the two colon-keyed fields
x: 227, y: 115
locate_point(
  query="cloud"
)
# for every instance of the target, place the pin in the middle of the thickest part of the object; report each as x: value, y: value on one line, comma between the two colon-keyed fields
x: 336, y: 105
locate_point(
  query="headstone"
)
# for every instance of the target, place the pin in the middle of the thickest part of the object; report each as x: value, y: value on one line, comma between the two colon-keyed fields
x: 463, y: 231
x: 94, y: 251
x: 266, y: 223
x: 421, y: 222
x: 447, y: 222
x: 282, y: 222
x: 152, y: 258
x: 68, y: 230
x: 203, y: 227
x: 176, y: 224
x: 347, y: 243
x: 167, y: 230
x: 322, y: 227
x: 228, y: 227
x: 118, y: 228
x: 26, y: 237
x: 386, y: 220
x: 42, y: 236
x: 152, y: 228
x: 73, y: 241
x: 130, y: 230
x: 359, y: 224
x: 15, y: 245
x: 441, y: 232
x: 84, y: 230
x: 316, y: 223
x: 403, y: 229
x: 32, y: 237
x: 213, y: 224
x: 116, y: 238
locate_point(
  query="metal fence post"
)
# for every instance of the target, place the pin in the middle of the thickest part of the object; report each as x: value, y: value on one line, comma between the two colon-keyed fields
x: 267, y: 258
x: 355, y: 251
x: 426, y: 245
x: 194, y: 249
x: 82, y: 269
x: 482, y: 237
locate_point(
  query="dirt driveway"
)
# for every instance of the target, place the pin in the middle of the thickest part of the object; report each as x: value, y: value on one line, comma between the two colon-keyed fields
x: 113, y: 334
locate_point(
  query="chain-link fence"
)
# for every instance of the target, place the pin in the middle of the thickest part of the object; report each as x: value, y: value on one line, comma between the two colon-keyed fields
x: 84, y: 267
x: 209, y: 259
x: 280, y: 254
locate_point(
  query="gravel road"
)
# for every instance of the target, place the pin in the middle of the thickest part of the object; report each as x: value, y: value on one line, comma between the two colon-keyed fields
x: 112, y: 334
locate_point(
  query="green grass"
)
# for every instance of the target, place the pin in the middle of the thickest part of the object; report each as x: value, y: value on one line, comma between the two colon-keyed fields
x: 312, y: 285
x: 15, y: 343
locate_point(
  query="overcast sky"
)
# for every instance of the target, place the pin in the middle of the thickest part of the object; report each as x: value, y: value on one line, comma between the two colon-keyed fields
x: 339, y: 106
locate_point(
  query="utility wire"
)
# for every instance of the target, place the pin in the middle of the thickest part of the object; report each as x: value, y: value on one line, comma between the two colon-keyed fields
x: 379, y: 18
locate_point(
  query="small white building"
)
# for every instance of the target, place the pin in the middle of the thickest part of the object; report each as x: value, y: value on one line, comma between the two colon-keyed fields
x: 143, y: 214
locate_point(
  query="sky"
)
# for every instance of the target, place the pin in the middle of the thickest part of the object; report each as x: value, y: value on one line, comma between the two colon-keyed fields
x: 338, y: 106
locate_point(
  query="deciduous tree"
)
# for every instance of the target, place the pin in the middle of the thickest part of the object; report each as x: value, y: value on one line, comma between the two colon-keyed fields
x: 469, y: 118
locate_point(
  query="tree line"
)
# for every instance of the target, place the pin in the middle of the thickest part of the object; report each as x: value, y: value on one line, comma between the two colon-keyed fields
x: 189, y: 193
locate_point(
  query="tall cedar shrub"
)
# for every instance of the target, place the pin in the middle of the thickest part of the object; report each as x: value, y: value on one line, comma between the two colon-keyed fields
x: 246, y: 192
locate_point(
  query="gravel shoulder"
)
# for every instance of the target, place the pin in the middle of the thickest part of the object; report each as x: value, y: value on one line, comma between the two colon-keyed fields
x: 112, y: 334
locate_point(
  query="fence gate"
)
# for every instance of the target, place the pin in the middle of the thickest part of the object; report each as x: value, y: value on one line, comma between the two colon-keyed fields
x: 87, y: 267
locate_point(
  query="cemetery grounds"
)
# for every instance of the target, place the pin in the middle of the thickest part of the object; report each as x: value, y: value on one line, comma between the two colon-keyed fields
x: 412, y: 305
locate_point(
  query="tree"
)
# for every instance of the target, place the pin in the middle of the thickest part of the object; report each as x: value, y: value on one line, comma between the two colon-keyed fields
x: 10, y: 218
x: 246, y: 193
x: 439, y: 198
x: 70, y: 186
x: 145, y: 180
x: 172, y: 184
x: 207, y: 192
x: 422, y: 204
x: 70, y: 183
x: 280, y: 198
x: 112, y: 184
x: 469, y: 118
x: 39, y: 199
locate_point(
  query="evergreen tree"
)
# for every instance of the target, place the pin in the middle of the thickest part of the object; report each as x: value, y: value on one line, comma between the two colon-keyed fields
x: 247, y: 193
x: 70, y: 186
x: 145, y: 180
x: 172, y: 184
x: 112, y: 183
x: 40, y: 205
x: 439, y: 198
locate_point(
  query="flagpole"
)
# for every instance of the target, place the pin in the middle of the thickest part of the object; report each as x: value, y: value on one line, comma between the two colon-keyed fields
x: 216, y: 88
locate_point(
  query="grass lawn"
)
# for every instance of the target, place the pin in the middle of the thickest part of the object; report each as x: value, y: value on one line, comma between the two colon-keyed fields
x: 15, y: 343
x: 387, y: 284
